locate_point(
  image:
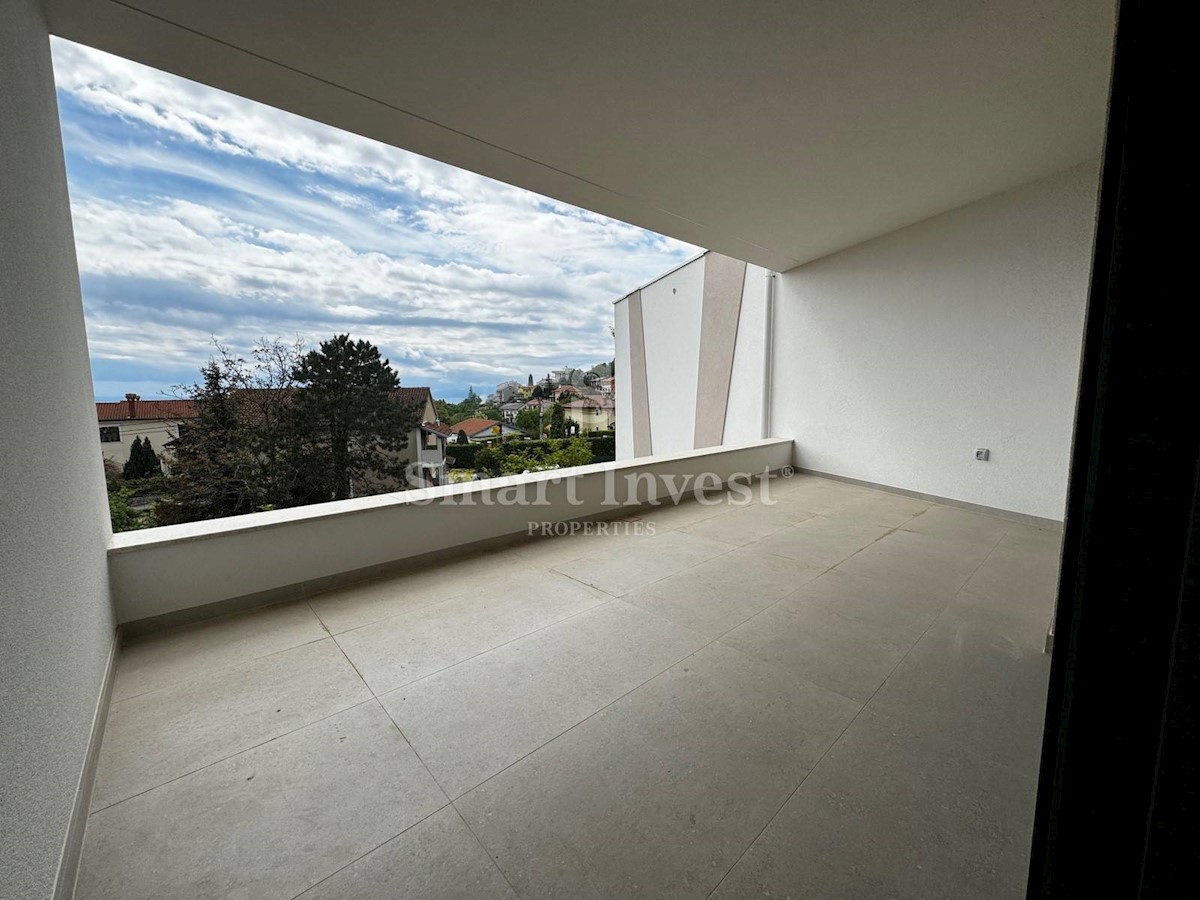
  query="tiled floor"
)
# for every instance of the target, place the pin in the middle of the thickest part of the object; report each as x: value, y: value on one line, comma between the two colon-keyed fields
x: 838, y: 695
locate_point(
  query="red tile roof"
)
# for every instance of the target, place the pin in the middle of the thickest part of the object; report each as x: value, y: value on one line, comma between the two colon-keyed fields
x: 601, y: 402
x: 473, y: 426
x: 124, y: 410
x: 439, y: 427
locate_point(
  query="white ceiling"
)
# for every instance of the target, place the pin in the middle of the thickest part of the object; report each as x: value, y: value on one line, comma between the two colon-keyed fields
x: 776, y: 132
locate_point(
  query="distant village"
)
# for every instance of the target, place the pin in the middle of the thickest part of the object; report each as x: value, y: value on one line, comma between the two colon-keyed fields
x: 539, y: 415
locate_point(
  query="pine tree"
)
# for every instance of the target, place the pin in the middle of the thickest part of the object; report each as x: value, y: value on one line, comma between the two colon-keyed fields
x: 143, y: 461
x: 557, y: 422
x: 346, y: 420
x: 133, y: 464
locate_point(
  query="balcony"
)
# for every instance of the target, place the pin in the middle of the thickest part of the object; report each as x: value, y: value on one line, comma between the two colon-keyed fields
x: 830, y: 691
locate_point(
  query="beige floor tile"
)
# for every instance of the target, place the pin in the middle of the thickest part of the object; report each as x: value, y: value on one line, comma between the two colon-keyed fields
x: 978, y: 678
x: 896, y: 607
x: 437, y: 859
x: 515, y: 698
x: 831, y: 651
x: 403, y: 648
x: 718, y: 595
x: 821, y: 542
x: 265, y: 824
x: 657, y: 795
x: 157, y: 660
x: 158, y: 736
x: 894, y: 812
x: 641, y: 561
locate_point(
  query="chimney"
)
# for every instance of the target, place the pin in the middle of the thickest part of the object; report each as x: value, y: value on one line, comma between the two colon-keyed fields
x: 131, y: 405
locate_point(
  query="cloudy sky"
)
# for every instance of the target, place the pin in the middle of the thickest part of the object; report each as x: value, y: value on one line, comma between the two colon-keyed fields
x: 199, y: 214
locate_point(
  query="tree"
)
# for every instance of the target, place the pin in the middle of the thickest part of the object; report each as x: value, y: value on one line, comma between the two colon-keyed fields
x: 529, y: 420
x: 346, y: 419
x: 143, y: 461
x: 557, y: 421
x: 462, y: 437
x: 235, y: 457
x: 489, y: 411
x: 212, y: 463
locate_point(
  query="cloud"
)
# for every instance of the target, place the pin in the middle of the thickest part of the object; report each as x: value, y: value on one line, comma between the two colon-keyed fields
x: 199, y: 214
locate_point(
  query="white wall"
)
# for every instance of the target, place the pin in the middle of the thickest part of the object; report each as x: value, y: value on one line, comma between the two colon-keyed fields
x: 159, y: 432
x: 623, y: 384
x: 56, y: 625
x: 897, y: 357
x: 672, y: 313
x: 671, y: 309
x: 744, y: 415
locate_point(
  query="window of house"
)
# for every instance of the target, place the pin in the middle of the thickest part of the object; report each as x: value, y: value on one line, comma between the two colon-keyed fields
x: 430, y: 441
x: 110, y: 434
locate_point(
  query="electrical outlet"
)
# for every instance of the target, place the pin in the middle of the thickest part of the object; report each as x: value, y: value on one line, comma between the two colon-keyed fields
x: 982, y: 454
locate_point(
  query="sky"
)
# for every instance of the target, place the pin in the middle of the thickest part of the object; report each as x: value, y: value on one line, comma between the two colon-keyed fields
x: 200, y: 215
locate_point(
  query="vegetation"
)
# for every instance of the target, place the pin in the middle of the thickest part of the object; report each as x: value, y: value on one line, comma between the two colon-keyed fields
x: 558, y: 423
x: 287, y: 428
x: 123, y: 515
x: 532, y: 456
x: 143, y: 461
x: 345, y: 422
x: 529, y: 420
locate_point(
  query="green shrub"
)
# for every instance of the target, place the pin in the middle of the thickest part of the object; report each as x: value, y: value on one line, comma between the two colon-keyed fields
x: 463, y: 455
x: 124, y: 517
x: 490, y: 459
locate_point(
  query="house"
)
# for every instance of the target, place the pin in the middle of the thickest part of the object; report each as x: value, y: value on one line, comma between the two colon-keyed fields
x: 927, y: 239
x: 507, y: 391
x: 565, y: 391
x: 426, y: 444
x: 123, y: 421
x: 482, y: 430
x: 597, y: 413
x: 430, y: 442
x: 508, y: 411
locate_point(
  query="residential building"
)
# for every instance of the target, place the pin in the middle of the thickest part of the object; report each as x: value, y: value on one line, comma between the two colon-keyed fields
x: 592, y: 413
x: 507, y: 391
x: 508, y: 411
x: 123, y: 421
x: 482, y: 430
x: 426, y: 445
x: 840, y: 689
x: 429, y: 443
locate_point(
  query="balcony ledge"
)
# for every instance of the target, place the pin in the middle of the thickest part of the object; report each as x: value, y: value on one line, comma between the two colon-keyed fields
x: 203, y: 567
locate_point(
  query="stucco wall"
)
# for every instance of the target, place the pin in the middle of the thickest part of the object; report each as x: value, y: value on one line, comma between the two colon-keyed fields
x: 671, y: 310
x: 56, y: 623
x: 158, y: 431
x: 896, y: 358
x: 689, y: 375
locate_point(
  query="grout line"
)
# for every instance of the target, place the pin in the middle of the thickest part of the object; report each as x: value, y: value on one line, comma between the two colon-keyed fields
x: 214, y: 762
x: 369, y: 852
x: 855, y: 717
x: 446, y: 794
x: 218, y: 671
x: 526, y: 634
x: 492, y: 859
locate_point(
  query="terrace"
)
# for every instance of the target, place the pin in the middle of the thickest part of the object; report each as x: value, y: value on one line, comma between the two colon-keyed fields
x: 913, y: 218
x: 837, y: 693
